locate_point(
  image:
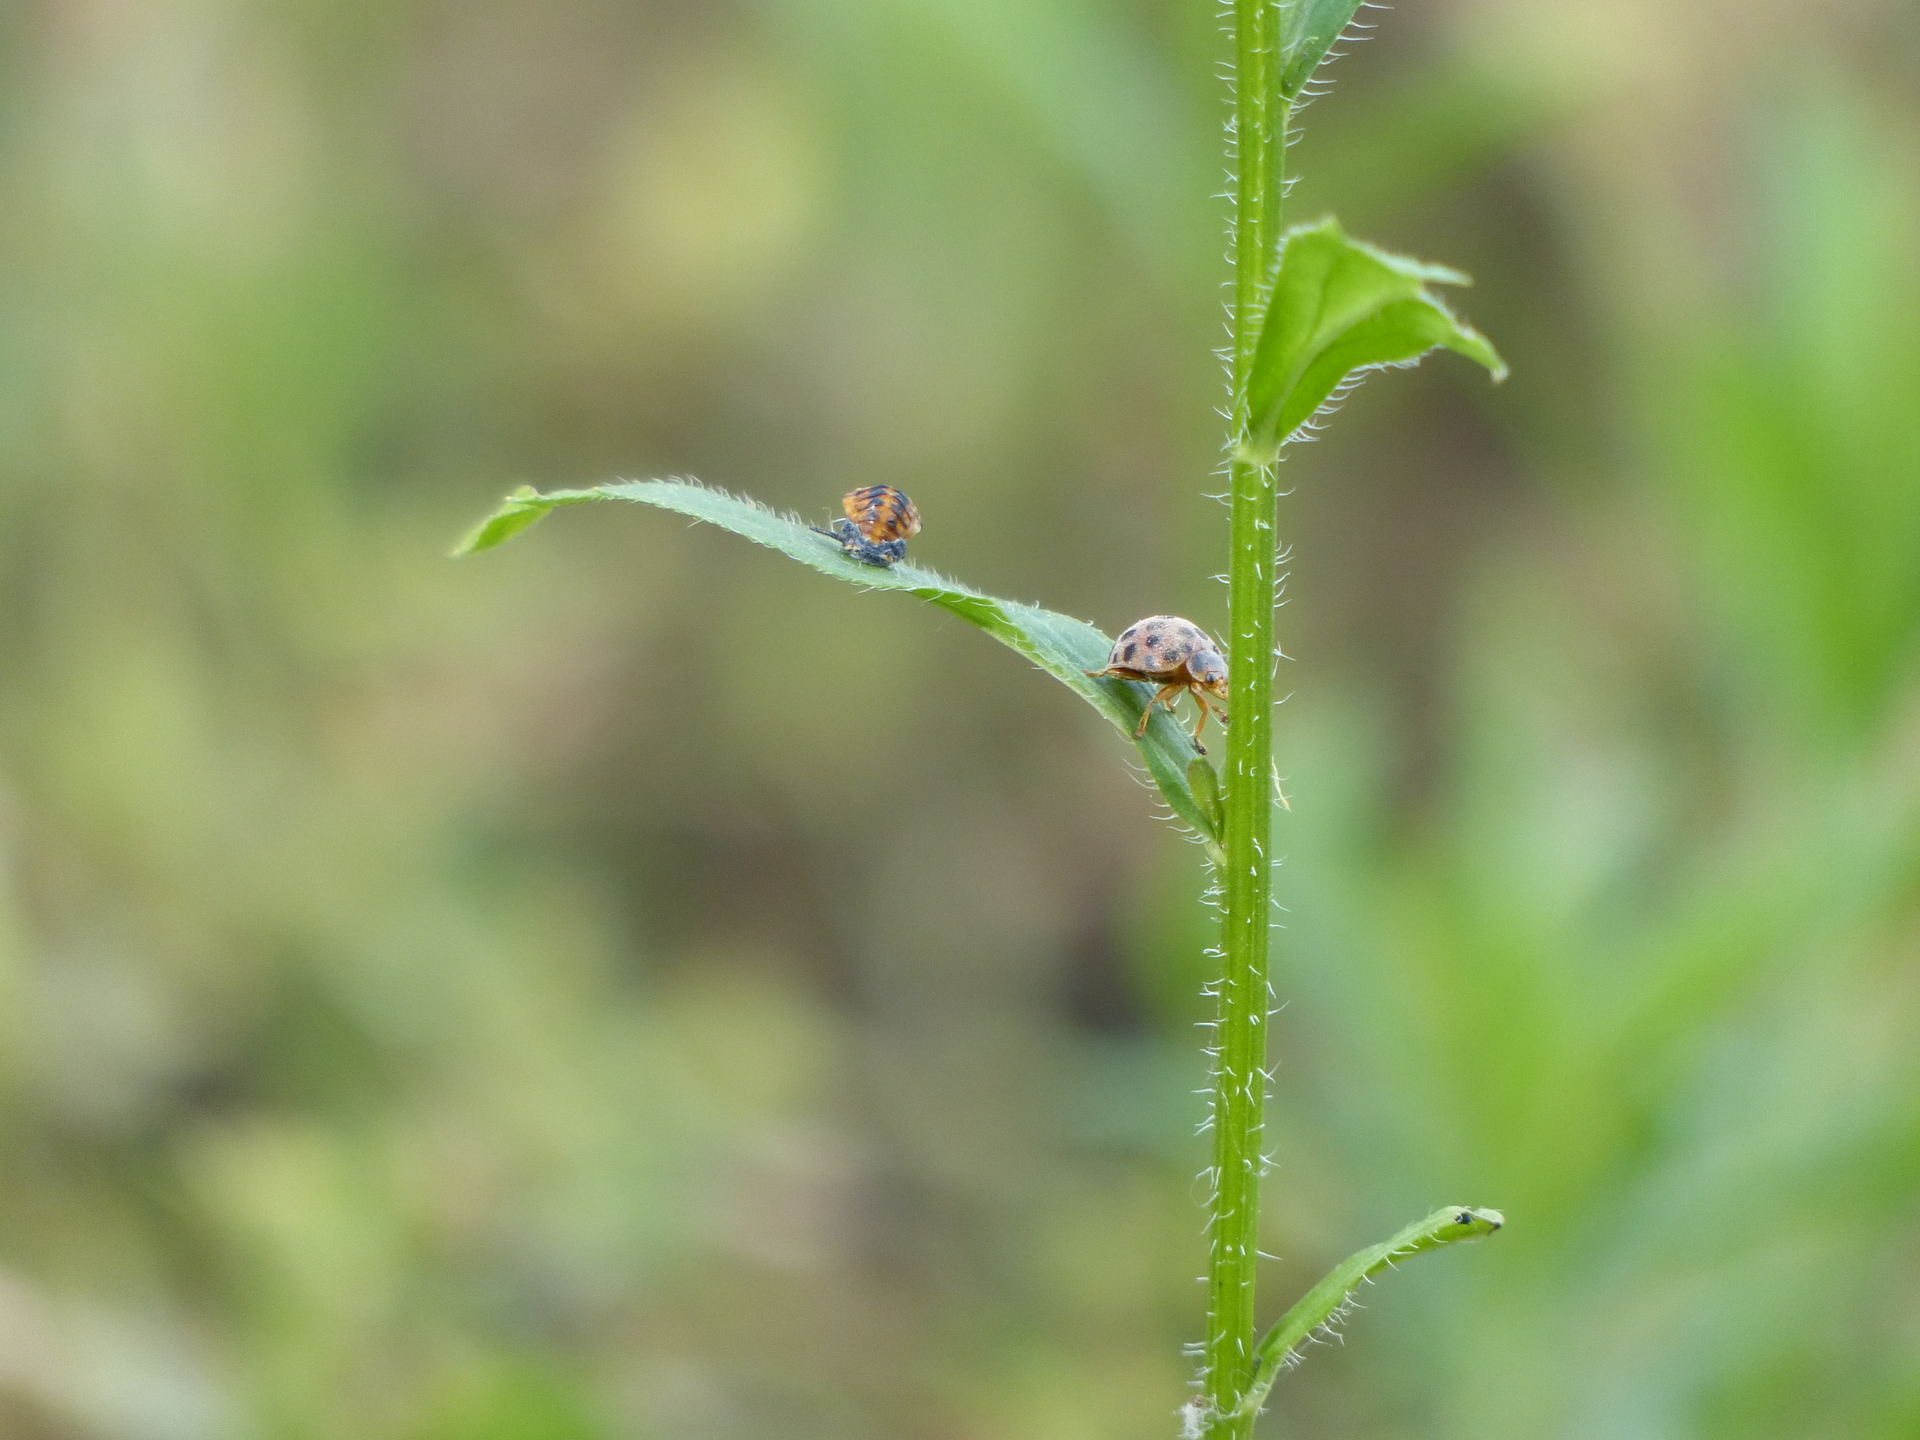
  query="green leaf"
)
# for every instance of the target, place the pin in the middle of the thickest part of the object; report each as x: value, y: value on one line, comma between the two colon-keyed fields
x: 1308, y: 29
x: 1063, y: 647
x: 1204, y: 781
x: 524, y: 507
x: 1340, y: 307
x: 1325, y: 1303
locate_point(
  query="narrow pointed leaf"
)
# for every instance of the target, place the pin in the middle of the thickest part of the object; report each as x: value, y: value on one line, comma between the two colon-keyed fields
x: 1205, y: 783
x: 1063, y: 647
x: 1329, y: 1298
x: 1339, y: 308
x: 1308, y: 29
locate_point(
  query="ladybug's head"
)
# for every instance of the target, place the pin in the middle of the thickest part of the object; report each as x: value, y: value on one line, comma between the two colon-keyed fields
x: 1209, y: 671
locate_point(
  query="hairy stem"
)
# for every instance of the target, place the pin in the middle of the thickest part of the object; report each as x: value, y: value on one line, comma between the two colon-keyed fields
x: 1239, y: 1076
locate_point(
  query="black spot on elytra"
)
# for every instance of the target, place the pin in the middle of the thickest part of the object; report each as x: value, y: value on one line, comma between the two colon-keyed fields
x: 1127, y: 654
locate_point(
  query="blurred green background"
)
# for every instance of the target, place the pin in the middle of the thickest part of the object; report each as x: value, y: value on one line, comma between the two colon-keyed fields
x: 426, y: 1015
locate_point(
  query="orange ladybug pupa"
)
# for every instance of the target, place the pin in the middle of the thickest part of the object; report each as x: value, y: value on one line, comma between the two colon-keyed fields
x: 880, y: 520
x: 1176, y: 655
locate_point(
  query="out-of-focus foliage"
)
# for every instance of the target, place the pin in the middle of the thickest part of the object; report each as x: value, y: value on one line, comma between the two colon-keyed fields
x: 427, y: 1015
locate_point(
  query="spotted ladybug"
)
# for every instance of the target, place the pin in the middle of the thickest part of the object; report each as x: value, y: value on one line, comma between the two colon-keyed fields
x: 1176, y: 655
x: 880, y: 520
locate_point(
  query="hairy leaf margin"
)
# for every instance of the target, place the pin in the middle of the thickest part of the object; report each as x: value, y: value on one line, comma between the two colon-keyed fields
x: 1063, y: 647
x: 1340, y: 307
x: 1324, y: 1303
x: 1308, y: 30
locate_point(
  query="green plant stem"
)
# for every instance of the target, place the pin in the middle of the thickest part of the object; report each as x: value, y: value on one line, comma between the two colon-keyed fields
x: 1239, y: 1072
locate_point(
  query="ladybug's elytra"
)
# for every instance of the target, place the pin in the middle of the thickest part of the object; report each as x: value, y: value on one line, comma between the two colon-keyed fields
x: 880, y: 520
x: 1176, y: 655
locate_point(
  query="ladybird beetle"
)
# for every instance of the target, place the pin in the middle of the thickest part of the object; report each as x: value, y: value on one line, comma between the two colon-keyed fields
x: 1176, y: 655
x: 880, y: 520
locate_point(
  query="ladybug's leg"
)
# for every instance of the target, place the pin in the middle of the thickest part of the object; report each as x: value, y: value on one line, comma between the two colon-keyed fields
x: 1169, y: 694
x: 1146, y: 714
x: 1208, y: 706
